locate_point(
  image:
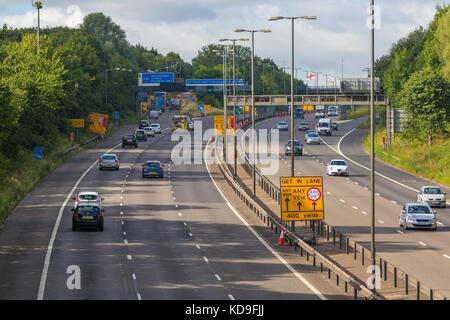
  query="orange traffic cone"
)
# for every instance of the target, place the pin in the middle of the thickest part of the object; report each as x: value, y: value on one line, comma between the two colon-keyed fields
x: 281, y: 240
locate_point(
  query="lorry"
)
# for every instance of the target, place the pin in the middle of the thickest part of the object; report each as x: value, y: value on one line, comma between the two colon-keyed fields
x: 324, y: 127
x: 298, y: 113
x: 160, y: 100
x: 320, y: 112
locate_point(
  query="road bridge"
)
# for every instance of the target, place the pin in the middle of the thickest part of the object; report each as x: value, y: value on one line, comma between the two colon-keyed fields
x: 300, y: 100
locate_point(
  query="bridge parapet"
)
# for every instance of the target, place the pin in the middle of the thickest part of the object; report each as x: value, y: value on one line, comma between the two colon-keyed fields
x: 300, y: 100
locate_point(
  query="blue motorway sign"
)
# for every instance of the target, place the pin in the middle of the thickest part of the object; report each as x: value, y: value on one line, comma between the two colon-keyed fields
x: 213, y: 82
x: 116, y: 114
x: 37, y: 153
x: 155, y: 78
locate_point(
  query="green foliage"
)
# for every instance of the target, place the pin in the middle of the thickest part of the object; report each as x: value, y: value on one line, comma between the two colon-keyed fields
x: 426, y: 98
x: 443, y: 39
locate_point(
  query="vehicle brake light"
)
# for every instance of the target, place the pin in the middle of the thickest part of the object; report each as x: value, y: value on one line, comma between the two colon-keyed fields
x: 160, y: 168
x: 101, y: 160
x: 116, y: 161
x: 77, y: 199
x: 145, y: 168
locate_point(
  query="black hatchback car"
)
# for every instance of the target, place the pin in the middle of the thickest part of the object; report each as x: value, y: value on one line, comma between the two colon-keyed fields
x: 129, y: 140
x: 88, y: 215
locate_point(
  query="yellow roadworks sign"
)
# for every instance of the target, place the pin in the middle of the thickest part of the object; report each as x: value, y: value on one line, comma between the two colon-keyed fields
x: 77, y: 123
x: 98, y: 121
x: 219, y: 125
x: 301, y: 198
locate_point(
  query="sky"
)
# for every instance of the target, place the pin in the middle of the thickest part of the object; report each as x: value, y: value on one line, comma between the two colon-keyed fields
x: 338, y: 41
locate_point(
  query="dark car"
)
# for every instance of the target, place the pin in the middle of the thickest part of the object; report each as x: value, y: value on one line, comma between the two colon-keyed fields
x: 298, y: 148
x: 88, y: 215
x: 129, y: 140
x: 140, y: 135
x: 144, y: 123
x: 152, y: 169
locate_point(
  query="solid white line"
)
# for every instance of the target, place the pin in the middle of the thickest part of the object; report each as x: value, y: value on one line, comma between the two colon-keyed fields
x: 448, y: 257
x: 381, y: 175
x: 55, y: 230
x: 264, y: 243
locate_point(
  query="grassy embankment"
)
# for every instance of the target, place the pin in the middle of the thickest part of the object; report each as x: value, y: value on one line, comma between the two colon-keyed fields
x: 430, y: 162
x: 192, y: 109
x: 18, y: 176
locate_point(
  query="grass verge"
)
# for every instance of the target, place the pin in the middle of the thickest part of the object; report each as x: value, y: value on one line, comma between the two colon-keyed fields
x: 430, y: 162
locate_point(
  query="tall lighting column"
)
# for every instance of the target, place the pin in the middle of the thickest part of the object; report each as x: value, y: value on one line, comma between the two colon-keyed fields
x: 372, y: 133
x: 38, y: 6
x: 292, y: 79
x: 234, y: 98
x: 253, y: 101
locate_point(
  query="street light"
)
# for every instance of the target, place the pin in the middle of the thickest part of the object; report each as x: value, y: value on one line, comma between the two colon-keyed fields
x: 292, y: 85
x: 38, y: 6
x: 234, y: 98
x: 106, y: 83
x: 253, y: 99
x: 372, y: 134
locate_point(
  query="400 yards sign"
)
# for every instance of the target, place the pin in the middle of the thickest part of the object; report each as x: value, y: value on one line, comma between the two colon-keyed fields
x: 301, y: 198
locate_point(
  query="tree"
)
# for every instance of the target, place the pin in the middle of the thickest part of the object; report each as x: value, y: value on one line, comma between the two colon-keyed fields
x: 426, y: 98
x: 443, y: 37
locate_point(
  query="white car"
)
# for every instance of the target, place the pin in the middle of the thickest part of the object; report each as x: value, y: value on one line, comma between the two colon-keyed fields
x: 337, y: 167
x: 282, y: 125
x: 153, y: 114
x: 87, y: 197
x: 156, y: 127
x: 433, y: 196
x: 108, y: 161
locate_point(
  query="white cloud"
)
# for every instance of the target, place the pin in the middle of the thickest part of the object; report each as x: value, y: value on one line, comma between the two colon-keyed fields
x: 184, y: 26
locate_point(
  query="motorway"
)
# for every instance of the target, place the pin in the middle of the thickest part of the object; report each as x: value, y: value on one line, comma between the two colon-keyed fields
x: 170, y: 238
x: 422, y: 253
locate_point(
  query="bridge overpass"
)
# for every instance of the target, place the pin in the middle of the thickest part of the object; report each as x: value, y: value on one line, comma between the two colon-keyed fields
x: 300, y: 100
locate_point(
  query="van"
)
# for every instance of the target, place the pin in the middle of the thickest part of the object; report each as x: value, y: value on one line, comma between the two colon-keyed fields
x: 324, y: 127
x: 154, y: 114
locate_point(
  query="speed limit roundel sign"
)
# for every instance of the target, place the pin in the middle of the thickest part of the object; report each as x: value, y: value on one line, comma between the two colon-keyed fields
x: 314, y: 194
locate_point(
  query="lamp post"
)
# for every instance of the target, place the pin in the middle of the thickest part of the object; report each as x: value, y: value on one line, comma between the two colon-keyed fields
x: 234, y: 98
x: 292, y: 19
x: 106, y: 83
x: 223, y: 53
x: 38, y: 6
x: 372, y: 134
x: 253, y: 100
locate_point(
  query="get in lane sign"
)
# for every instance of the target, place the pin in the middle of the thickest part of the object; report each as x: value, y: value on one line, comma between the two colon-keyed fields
x: 301, y: 198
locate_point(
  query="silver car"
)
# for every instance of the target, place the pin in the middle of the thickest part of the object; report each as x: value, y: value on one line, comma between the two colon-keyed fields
x: 417, y: 216
x: 149, y: 132
x: 156, y: 127
x: 312, y: 138
x: 88, y: 197
x: 108, y: 161
x: 282, y: 125
x: 433, y: 196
